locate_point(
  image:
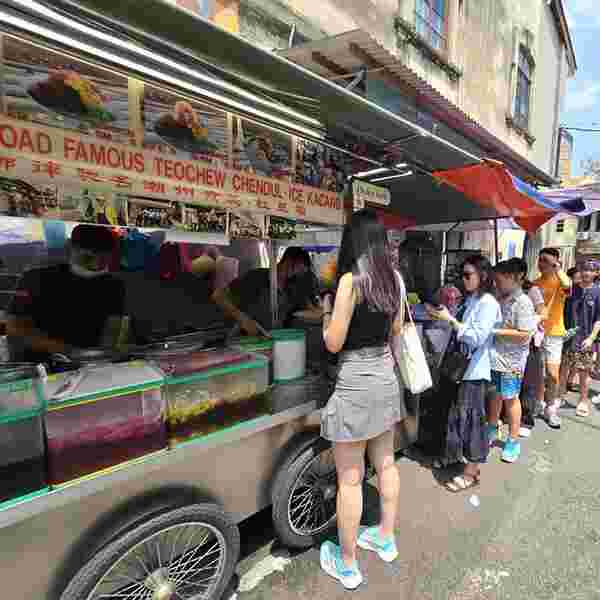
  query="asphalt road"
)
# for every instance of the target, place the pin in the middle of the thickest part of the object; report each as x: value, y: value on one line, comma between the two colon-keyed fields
x: 530, y: 531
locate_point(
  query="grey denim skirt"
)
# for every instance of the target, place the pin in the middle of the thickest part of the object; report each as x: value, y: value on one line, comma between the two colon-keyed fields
x: 367, y: 400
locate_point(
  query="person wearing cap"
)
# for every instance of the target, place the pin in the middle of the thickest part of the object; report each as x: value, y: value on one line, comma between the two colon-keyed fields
x: 69, y: 306
x: 585, y: 317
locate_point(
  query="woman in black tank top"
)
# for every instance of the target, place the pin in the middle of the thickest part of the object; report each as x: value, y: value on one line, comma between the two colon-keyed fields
x: 367, y: 403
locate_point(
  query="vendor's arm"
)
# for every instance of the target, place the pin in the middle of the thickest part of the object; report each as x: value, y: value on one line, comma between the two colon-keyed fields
x: 228, y: 299
x: 222, y: 298
x: 337, y: 321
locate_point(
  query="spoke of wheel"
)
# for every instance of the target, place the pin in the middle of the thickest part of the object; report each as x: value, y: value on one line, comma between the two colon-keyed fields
x: 207, y: 567
x: 303, y: 516
x: 175, y: 543
x: 180, y: 561
x: 188, y: 546
x: 190, y: 569
x: 303, y: 495
x: 158, y: 553
x: 135, y: 582
x: 210, y: 567
x: 302, y: 505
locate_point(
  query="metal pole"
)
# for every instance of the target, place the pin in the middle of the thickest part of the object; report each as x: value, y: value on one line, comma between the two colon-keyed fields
x: 444, y: 260
x: 496, y: 251
x: 272, y: 250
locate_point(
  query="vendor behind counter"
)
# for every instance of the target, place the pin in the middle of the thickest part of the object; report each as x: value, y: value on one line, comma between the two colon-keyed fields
x: 69, y: 306
x: 247, y: 300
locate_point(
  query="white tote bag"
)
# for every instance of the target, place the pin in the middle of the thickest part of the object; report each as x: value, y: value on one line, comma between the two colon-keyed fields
x: 409, y: 355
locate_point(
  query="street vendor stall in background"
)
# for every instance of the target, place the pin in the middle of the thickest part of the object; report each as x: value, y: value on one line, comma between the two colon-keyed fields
x: 205, y: 158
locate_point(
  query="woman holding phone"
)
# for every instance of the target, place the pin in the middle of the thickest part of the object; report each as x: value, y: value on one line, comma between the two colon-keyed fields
x: 474, y: 325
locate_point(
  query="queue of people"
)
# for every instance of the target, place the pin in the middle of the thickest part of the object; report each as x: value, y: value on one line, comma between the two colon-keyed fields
x: 513, y: 345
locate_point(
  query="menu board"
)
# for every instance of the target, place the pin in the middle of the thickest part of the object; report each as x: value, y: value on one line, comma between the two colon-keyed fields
x: 188, y: 130
x: 52, y: 89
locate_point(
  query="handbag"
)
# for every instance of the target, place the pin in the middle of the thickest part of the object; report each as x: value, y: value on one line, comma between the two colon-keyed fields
x: 455, y: 362
x: 456, y: 358
x: 409, y: 356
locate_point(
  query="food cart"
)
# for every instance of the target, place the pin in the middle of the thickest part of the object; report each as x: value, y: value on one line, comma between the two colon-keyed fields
x: 131, y: 473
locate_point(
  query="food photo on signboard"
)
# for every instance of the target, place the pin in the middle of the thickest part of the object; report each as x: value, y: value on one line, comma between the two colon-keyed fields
x: 281, y: 229
x: 261, y: 150
x: 151, y: 213
x: 187, y: 130
x: 206, y: 219
x: 52, y: 89
x: 97, y: 206
x: 245, y: 224
x: 19, y: 198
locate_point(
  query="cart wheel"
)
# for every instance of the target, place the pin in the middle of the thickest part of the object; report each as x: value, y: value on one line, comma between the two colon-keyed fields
x: 185, y: 554
x: 304, y: 495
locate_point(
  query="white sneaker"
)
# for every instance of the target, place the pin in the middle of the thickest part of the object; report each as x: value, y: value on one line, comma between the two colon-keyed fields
x: 333, y: 565
x: 369, y: 538
x: 524, y: 432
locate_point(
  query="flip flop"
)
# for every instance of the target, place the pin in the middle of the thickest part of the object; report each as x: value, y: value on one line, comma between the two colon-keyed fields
x: 460, y: 483
x: 583, y: 410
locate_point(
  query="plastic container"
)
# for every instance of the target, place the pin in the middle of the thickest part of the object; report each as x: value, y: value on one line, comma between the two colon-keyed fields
x: 257, y: 345
x: 212, y: 400
x: 110, y: 415
x: 22, y: 449
x: 186, y: 363
x: 289, y: 354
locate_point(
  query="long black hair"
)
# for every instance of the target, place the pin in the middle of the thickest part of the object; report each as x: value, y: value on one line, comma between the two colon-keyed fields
x: 484, y: 268
x: 367, y: 254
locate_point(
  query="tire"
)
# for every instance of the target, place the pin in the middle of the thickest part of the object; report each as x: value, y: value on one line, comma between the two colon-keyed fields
x: 157, y: 538
x: 290, y: 491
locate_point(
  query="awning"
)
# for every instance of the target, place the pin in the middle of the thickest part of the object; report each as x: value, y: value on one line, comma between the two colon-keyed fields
x: 351, y: 51
x: 492, y: 187
x: 165, y: 40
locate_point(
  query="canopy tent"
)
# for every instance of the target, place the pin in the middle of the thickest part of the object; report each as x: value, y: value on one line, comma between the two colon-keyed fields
x: 492, y: 187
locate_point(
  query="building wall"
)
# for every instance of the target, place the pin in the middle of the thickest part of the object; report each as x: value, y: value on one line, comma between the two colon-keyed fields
x: 550, y: 77
x: 483, y: 38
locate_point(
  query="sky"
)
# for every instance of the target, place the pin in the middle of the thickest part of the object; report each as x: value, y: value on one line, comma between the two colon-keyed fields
x: 582, y: 103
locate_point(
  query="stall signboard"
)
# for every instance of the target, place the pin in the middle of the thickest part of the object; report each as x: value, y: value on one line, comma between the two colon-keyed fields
x: 366, y: 193
x: 47, y: 159
x: 77, y: 139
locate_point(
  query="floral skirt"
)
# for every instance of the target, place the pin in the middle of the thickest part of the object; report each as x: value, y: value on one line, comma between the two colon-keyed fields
x: 582, y: 360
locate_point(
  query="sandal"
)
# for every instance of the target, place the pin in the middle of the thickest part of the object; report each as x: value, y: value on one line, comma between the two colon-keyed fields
x: 583, y: 410
x: 461, y: 483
